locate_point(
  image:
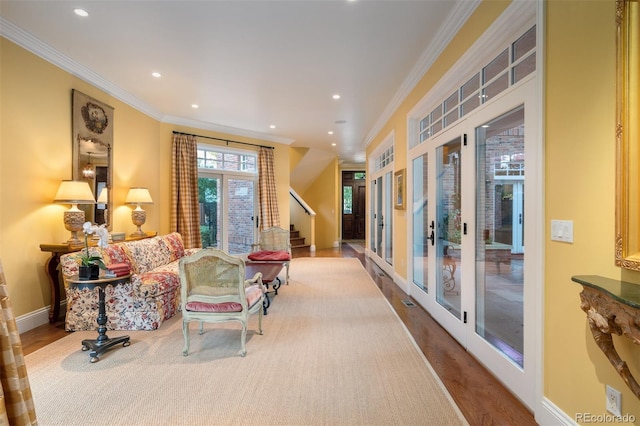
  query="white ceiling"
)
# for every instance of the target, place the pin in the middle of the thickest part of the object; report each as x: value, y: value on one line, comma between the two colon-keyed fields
x: 248, y: 64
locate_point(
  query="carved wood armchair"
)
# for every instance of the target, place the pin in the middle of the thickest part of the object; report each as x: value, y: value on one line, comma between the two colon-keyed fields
x: 214, y: 290
x: 274, y: 245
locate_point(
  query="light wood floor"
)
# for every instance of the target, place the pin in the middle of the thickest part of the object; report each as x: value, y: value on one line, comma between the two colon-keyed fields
x: 482, y: 399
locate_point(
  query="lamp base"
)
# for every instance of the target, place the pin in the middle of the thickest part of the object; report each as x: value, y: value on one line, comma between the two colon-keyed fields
x: 138, y: 217
x: 73, y: 221
x: 138, y: 233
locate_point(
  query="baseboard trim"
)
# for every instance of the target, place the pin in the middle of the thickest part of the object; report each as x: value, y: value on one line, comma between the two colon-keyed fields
x: 550, y: 414
x: 32, y: 320
x: 37, y: 318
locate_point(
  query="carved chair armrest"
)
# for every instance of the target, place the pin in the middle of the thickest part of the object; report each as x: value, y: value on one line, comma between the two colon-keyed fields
x: 256, y: 279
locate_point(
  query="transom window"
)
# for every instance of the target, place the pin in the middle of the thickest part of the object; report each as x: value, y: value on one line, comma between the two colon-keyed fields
x: 384, y: 159
x: 508, y: 68
x: 216, y: 159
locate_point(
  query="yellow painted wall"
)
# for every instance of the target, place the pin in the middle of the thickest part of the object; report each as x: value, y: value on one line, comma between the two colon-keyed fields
x: 35, y: 155
x: 580, y: 180
x: 580, y: 185
x: 295, y: 156
x: 484, y: 15
x: 323, y: 197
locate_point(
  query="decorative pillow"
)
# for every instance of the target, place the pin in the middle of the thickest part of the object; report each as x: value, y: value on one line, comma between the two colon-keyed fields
x: 174, y: 243
x: 115, y: 253
x: 268, y: 255
x: 148, y: 254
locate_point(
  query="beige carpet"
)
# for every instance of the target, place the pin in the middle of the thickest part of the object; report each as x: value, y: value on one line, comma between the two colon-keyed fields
x: 333, y: 353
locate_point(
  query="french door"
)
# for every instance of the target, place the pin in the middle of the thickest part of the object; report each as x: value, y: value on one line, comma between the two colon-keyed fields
x: 227, y: 211
x: 468, y: 258
x: 381, y: 213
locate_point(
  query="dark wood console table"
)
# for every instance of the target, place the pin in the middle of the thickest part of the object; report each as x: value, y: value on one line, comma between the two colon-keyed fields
x: 612, y: 307
x: 102, y: 342
x: 53, y: 263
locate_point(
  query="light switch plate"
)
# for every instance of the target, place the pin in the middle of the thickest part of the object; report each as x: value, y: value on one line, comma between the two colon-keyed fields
x: 562, y: 230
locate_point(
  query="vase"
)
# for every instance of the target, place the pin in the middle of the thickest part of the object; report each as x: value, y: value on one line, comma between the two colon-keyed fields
x: 90, y: 272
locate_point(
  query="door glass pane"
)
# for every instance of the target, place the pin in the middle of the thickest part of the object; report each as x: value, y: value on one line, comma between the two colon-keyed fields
x: 500, y: 233
x: 347, y: 199
x: 388, y: 226
x: 380, y: 221
x: 240, y: 204
x: 374, y: 218
x: 449, y: 235
x: 421, y: 228
x: 210, y: 223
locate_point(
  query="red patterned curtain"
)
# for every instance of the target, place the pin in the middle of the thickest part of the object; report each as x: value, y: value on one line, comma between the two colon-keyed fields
x: 267, y: 195
x: 185, y: 206
x: 16, y: 401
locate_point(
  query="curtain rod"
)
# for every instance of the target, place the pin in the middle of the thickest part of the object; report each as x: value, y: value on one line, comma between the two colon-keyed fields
x: 228, y: 141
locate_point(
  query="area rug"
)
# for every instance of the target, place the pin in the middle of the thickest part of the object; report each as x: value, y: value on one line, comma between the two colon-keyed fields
x: 333, y: 352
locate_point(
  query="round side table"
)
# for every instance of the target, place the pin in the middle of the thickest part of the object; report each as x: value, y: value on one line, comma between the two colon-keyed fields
x: 102, y: 343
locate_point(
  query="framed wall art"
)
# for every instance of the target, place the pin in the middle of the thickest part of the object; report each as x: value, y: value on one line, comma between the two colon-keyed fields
x: 92, y: 123
x: 400, y: 190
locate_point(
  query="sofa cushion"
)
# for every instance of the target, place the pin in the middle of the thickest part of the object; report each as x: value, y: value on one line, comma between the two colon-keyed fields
x: 155, y: 283
x: 269, y: 255
x: 147, y: 254
x: 174, y: 243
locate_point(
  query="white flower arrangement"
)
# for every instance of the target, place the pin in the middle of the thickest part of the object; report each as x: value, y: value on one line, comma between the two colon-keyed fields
x: 85, y: 258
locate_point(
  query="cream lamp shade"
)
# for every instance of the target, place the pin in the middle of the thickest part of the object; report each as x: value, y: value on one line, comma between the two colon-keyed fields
x: 74, y: 192
x: 103, y: 197
x: 137, y: 196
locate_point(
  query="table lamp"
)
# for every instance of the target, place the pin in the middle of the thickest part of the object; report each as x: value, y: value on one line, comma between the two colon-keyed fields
x: 104, y: 196
x: 137, y: 196
x: 74, y: 192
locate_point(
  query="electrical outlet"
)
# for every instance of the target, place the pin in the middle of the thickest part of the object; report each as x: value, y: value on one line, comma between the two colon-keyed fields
x: 614, y: 401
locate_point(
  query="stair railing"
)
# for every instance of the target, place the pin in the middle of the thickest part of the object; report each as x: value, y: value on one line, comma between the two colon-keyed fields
x: 308, y: 226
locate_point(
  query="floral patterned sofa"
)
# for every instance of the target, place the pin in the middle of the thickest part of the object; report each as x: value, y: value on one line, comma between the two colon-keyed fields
x: 149, y: 297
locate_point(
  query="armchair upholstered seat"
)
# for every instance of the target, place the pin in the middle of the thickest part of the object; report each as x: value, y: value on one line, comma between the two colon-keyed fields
x: 214, y: 289
x: 274, y: 245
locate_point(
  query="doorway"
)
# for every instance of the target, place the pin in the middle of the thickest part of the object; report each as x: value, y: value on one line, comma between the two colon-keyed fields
x: 354, y: 187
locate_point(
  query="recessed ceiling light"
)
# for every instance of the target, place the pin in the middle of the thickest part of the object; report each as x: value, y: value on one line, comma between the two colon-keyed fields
x: 330, y: 132
x: 336, y: 96
x: 156, y: 74
x: 195, y: 106
x: 81, y: 12
x: 273, y: 126
x: 333, y: 144
x: 485, y: 126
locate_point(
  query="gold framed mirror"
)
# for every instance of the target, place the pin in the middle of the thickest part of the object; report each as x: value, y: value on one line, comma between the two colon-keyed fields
x: 627, y: 251
x: 92, y: 154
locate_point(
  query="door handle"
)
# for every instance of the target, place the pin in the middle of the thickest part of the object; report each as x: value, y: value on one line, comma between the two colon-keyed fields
x: 432, y: 238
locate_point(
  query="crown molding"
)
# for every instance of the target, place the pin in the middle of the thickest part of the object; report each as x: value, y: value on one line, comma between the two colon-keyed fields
x: 203, y: 125
x: 34, y: 45
x: 516, y: 19
x: 450, y: 27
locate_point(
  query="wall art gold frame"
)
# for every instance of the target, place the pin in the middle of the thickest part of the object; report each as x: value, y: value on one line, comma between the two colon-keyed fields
x: 400, y: 189
x: 627, y: 243
x: 92, y: 123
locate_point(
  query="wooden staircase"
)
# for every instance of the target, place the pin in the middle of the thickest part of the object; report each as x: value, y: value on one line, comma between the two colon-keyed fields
x: 297, y: 242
